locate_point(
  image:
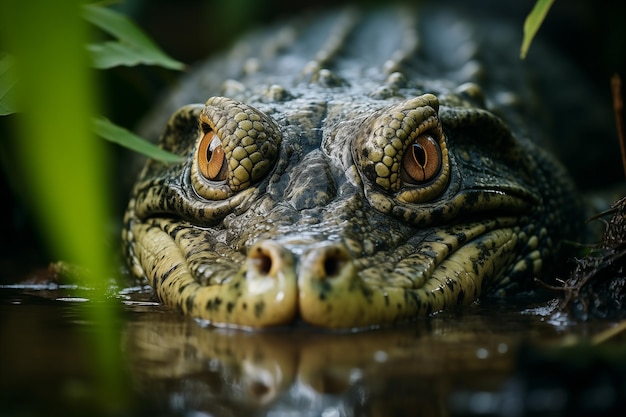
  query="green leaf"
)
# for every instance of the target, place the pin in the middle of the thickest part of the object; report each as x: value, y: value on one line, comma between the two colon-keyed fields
x: 7, y: 84
x: 116, y: 134
x: 56, y: 159
x: 133, y: 46
x: 533, y: 22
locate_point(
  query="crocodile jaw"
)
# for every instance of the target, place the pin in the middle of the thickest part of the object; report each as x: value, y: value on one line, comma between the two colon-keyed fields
x: 280, y: 282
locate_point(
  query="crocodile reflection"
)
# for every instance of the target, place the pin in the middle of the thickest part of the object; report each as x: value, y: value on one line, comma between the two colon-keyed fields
x: 188, y: 367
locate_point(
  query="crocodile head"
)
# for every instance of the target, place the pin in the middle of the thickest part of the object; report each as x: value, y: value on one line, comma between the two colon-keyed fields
x: 343, y: 202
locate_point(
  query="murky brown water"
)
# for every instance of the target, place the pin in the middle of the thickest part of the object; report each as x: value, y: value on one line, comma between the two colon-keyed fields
x: 457, y: 363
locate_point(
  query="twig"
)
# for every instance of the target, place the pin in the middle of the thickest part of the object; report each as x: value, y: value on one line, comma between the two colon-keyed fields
x: 609, y: 333
x: 618, y: 105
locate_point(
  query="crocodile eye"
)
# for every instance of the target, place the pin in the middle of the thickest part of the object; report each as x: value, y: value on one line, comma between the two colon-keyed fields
x: 422, y: 160
x: 211, y: 159
x: 237, y: 148
x: 401, y: 153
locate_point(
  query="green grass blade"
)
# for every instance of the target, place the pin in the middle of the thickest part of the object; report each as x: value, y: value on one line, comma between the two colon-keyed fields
x: 7, y: 85
x: 111, y: 132
x: 63, y: 166
x: 532, y: 23
x: 133, y: 46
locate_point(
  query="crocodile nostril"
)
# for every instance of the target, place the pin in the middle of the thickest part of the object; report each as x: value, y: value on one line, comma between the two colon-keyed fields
x: 328, y: 260
x: 261, y: 259
x: 323, y: 261
x: 334, y: 262
x: 269, y: 259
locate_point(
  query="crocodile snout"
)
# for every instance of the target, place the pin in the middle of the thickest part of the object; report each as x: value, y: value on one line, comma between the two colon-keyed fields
x: 298, y: 281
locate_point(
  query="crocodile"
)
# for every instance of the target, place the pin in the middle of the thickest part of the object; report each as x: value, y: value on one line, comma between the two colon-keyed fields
x: 351, y: 170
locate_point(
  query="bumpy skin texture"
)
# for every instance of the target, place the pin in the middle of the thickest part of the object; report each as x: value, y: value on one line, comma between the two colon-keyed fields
x: 316, y: 216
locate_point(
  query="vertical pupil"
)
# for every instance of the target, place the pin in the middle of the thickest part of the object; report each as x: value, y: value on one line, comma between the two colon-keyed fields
x: 419, y: 154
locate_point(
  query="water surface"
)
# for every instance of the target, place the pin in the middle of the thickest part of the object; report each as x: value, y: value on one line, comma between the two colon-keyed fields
x: 462, y: 362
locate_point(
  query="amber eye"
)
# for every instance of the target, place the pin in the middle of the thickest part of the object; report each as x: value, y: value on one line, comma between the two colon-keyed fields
x: 422, y: 160
x: 211, y: 159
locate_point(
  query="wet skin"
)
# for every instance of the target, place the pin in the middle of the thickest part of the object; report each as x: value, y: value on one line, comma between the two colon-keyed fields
x: 346, y: 190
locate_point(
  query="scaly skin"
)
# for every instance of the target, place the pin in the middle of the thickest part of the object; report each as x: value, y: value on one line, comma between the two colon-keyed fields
x: 353, y: 192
